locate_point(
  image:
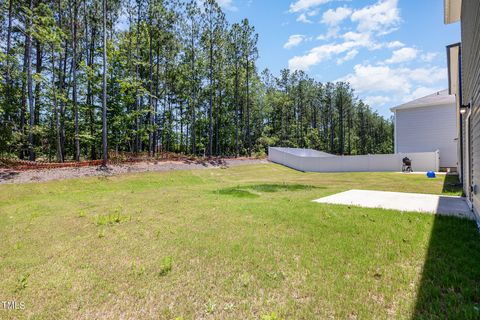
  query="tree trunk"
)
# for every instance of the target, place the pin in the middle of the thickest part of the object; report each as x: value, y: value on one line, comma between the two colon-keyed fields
x: 61, y: 84
x: 151, y: 113
x: 104, y: 88
x: 30, y: 99
x: 74, y: 80
x: 236, y: 108
x: 90, y: 52
x: 55, y: 108
x: 157, y: 89
x: 137, y: 102
x: 249, y: 151
x: 341, y: 125
x: 210, y: 103
x: 37, y: 90
x: 194, y: 93
x: 9, y: 41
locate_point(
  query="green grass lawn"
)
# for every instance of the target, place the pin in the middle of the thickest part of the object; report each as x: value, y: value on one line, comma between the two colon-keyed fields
x: 238, y: 243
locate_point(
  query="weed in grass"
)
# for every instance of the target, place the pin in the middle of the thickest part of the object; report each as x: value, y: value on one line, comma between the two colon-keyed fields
x: 35, y: 215
x: 22, y: 282
x: 276, y: 275
x: 17, y: 245
x: 111, y: 219
x: 101, y: 234
x: 209, y: 307
x: 137, y: 270
x: 229, y: 306
x: 166, y: 313
x: 165, y: 266
x: 272, y: 316
x: 82, y: 214
x: 245, y: 279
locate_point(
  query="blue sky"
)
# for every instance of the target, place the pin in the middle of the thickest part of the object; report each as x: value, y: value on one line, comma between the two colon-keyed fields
x: 391, y: 51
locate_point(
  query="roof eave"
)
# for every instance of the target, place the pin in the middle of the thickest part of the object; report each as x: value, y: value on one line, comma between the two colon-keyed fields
x: 453, y: 64
x: 403, y: 107
x: 452, y: 11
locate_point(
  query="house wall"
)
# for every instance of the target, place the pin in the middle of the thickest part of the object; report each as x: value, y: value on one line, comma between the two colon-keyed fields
x: 470, y: 21
x: 427, y: 129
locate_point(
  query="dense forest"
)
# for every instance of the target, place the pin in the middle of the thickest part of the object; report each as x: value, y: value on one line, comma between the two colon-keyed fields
x: 80, y: 76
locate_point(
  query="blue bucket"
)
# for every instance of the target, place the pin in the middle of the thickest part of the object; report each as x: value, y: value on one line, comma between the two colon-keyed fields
x: 431, y: 174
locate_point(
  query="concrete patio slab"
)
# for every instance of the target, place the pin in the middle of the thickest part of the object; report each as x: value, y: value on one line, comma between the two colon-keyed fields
x: 413, y: 202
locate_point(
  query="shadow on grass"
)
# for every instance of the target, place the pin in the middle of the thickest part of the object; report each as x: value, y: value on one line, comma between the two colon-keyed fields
x: 237, y: 192
x: 452, y: 185
x: 450, y: 283
x: 277, y: 187
x: 246, y: 191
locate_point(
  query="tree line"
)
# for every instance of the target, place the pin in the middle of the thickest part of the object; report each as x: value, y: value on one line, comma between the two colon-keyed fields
x: 80, y: 77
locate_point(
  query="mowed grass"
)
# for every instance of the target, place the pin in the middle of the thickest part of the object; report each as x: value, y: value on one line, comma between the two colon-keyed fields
x: 240, y: 243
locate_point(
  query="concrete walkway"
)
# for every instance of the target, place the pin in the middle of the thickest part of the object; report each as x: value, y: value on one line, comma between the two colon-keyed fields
x: 413, y: 202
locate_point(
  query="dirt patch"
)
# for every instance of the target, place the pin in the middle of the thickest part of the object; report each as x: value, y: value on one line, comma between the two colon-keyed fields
x: 19, y: 176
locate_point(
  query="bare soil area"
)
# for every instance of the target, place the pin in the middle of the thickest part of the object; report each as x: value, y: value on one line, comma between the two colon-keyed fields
x: 20, y: 176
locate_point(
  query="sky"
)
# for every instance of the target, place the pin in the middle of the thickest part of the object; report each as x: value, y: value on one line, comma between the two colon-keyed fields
x: 391, y: 51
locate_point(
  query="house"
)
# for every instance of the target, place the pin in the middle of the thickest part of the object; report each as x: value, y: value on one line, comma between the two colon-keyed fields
x: 464, y: 83
x: 428, y: 124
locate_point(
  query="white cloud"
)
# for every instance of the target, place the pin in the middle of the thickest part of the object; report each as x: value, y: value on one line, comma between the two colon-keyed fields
x: 334, y: 17
x: 331, y: 33
x: 349, y: 56
x: 319, y: 54
x: 427, y: 75
x: 303, y: 18
x: 360, y: 38
x: 368, y: 78
x: 227, y: 5
x: 293, y: 41
x: 303, y: 5
x: 403, y: 55
x: 400, y: 81
x: 377, y: 101
x: 395, y: 44
x: 429, y: 56
x: 316, y: 55
x: 383, y: 17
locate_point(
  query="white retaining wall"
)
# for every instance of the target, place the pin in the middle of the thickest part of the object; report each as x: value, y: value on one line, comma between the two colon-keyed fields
x: 316, y: 161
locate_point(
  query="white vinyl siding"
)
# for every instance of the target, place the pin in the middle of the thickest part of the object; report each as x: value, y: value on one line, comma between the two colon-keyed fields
x: 471, y: 87
x: 428, y: 129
